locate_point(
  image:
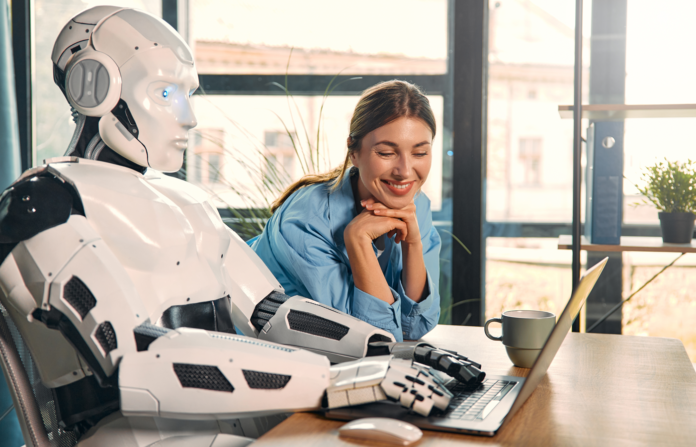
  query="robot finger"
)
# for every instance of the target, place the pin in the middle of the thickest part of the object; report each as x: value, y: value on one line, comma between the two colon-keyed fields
x: 422, y: 405
x: 414, y: 387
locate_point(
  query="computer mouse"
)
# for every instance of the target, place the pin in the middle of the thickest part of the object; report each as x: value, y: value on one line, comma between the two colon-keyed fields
x: 387, y: 430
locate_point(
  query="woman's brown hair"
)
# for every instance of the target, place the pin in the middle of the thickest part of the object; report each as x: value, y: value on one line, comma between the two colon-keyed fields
x: 379, y: 105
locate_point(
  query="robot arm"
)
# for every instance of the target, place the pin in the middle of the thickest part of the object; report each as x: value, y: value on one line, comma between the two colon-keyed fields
x: 194, y: 374
x: 79, y: 288
x: 305, y: 323
x: 61, y: 273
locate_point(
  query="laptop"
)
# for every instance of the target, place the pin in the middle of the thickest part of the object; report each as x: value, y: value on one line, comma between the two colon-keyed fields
x: 484, y: 410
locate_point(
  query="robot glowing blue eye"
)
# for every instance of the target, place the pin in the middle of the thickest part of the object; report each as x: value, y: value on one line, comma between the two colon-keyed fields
x: 165, y: 93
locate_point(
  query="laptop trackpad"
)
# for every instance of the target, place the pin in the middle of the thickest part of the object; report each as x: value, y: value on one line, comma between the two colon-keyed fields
x: 496, y: 400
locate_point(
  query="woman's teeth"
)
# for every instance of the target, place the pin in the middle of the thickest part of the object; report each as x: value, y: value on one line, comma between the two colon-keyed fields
x: 404, y: 186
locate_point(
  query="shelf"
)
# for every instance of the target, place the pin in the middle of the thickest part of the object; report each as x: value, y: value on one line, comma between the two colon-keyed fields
x: 618, y: 112
x: 629, y: 243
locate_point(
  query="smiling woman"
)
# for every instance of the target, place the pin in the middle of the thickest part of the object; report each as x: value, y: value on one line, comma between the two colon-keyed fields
x: 361, y: 238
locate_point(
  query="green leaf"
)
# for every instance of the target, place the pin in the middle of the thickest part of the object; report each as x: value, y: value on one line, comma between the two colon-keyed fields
x: 670, y: 186
x: 458, y: 241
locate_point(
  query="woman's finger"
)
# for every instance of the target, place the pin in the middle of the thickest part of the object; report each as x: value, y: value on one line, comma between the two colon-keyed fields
x: 368, y: 202
x: 398, y: 214
x: 372, y: 204
x: 375, y: 226
x: 400, y: 228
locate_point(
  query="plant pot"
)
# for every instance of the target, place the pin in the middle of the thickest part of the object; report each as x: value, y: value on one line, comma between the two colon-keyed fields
x: 677, y: 228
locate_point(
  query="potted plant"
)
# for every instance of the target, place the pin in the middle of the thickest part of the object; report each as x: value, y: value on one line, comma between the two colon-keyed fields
x: 671, y: 187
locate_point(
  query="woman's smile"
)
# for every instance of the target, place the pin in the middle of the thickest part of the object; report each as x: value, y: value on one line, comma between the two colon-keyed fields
x: 399, y: 188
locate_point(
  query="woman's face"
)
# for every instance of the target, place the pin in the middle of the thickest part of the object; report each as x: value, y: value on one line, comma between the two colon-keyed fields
x: 394, y: 161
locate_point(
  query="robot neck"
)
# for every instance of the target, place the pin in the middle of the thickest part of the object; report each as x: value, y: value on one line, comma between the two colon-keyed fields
x: 86, y: 143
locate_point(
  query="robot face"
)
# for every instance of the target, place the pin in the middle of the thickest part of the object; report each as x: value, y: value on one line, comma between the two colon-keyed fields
x: 157, y: 87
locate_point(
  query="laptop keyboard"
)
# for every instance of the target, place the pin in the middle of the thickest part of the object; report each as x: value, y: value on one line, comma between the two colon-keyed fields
x: 469, y: 405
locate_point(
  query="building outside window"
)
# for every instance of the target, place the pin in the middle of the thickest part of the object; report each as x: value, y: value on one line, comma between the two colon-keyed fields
x: 530, y: 156
x: 280, y: 157
x: 206, y: 160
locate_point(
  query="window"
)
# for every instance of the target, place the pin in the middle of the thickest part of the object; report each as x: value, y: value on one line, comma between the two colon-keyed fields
x: 530, y: 156
x: 206, y: 160
x: 280, y: 156
x: 261, y: 158
x: 527, y: 80
x: 659, y: 70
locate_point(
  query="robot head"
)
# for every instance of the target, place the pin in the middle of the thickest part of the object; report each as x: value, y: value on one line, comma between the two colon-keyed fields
x: 136, y: 75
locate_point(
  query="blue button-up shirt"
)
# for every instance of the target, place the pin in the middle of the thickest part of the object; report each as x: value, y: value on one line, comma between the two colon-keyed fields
x: 303, y: 246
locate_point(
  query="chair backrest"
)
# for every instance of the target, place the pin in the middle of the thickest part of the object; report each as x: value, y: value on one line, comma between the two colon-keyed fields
x: 34, y: 403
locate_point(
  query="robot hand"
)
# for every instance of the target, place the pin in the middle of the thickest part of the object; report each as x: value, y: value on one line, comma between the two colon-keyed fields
x: 385, y: 377
x: 454, y: 365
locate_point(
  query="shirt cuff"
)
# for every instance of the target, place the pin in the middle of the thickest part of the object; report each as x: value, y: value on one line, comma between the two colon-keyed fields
x: 375, y: 311
x: 410, y: 308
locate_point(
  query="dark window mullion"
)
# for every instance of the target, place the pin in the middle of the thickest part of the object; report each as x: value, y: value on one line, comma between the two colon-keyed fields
x: 170, y: 13
x: 310, y: 85
x: 23, y: 59
x: 469, y: 160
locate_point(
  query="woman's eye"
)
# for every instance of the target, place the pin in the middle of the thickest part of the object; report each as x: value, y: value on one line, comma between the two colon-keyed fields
x: 385, y: 154
x: 420, y: 154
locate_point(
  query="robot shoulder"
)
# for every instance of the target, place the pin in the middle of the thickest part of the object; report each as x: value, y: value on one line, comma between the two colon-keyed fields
x: 41, y: 199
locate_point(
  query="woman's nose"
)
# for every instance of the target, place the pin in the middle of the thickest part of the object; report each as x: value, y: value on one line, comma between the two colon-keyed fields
x: 403, y: 167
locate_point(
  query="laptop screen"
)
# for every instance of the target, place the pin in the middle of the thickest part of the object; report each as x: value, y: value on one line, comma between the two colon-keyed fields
x: 553, y: 343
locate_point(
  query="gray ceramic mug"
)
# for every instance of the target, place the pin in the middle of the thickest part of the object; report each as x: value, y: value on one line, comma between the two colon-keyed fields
x: 524, y: 334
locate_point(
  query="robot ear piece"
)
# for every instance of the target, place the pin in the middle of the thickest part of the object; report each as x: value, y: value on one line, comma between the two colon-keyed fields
x: 92, y: 83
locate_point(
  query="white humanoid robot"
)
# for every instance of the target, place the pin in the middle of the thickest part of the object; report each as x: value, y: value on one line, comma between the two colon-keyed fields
x: 126, y: 285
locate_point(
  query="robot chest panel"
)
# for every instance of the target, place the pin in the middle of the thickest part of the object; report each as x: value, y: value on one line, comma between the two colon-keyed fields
x: 170, y: 242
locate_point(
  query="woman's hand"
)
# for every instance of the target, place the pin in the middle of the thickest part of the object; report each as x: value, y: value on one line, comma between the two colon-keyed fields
x: 373, y: 222
x: 367, y: 226
x: 406, y: 214
x: 358, y: 236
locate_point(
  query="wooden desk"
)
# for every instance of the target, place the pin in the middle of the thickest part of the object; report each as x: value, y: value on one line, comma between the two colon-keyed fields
x: 600, y: 390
